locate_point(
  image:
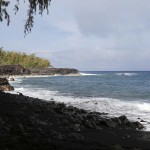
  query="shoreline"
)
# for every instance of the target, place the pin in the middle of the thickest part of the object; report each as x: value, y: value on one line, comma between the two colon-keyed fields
x: 32, y: 123
x: 36, y: 75
x: 58, y: 100
x: 26, y: 121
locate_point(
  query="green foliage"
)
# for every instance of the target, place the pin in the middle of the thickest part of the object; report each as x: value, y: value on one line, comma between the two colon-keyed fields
x: 27, y: 61
x: 34, y: 6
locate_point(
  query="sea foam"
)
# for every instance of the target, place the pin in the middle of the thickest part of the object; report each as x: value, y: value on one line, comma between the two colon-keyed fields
x: 88, y: 74
x: 134, y: 110
x: 126, y: 74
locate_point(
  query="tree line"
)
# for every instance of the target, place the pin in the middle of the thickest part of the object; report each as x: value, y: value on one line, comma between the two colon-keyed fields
x: 27, y: 61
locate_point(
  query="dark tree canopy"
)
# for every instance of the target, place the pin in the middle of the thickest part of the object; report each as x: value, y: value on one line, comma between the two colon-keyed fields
x: 35, y: 6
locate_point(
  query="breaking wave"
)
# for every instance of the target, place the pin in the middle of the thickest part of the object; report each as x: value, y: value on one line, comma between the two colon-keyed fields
x: 88, y: 74
x: 126, y: 74
x: 134, y: 110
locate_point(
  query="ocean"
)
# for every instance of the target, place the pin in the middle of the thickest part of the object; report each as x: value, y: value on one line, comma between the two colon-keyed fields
x: 116, y: 93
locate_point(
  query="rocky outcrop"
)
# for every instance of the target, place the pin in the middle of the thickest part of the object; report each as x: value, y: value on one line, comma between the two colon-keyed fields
x: 13, y: 70
x: 53, y: 71
x: 11, y: 79
x: 4, y: 85
x: 19, y: 70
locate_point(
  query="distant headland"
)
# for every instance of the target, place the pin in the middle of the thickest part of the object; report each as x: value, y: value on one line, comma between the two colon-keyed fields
x: 16, y: 63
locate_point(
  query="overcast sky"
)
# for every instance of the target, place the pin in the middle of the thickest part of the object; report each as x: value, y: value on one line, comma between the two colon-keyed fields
x: 86, y: 34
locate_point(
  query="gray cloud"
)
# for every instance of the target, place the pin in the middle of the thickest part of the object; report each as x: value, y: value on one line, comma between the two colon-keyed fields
x: 88, y: 35
x: 102, y: 59
x: 125, y: 21
x: 112, y: 35
x: 107, y: 17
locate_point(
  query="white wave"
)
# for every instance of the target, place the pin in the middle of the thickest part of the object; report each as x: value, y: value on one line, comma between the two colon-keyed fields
x: 114, y: 107
x: 30, y: 76
x: 126, y: 74
x: 144, y: 107
x: 19, y: 89
x: 88, y: 74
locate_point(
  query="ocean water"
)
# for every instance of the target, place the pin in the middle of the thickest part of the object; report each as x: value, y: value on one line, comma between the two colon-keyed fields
x: 115, y: 93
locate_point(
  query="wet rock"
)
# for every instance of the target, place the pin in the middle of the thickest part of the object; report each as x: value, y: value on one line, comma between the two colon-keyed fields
x: 76, y: 136
x: 76, y: 127
x: 57, y: 135
x: 123, y: 120
x: 21, y: 128
x: 107, y: 122
x: 2, y: 122
x: 52, y: 99
x: 78, y: 119
x: 90, y: 124
x: 11, y: 79
x: 65, y: 122
x: 5, y: 86
x: 59, y: 110
x: 4, y: 81
x: 40, y: 130
x: 89, y: 116
x: 20, y: 94
x: 126, y: 136
x: 111, y: 123
x: 82, y: 111
x: 42, y: 123
x: 142, y: 121
x: 137, y: 125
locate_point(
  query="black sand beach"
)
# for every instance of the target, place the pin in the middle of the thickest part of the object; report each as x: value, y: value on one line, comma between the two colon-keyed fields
x: 32, y: 124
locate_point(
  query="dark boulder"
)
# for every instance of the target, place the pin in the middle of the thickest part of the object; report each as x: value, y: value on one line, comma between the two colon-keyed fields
x: 76, y: 127
x: 4, y: 85
x: 123, y: 121
x: 3, y: 81
x: 6, y: 88
x: 11, y: 79
x: 76, y: 136
x: 135, y: 125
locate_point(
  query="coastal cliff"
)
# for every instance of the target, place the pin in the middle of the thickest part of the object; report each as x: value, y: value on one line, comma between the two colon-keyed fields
x: 8, y: 70
x: 53, y: 71
x: 13, y: 70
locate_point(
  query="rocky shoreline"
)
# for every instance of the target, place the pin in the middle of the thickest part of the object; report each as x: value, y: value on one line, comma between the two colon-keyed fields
x: 32, y: 124
x: 53, y: 71
x: 11, y: 70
